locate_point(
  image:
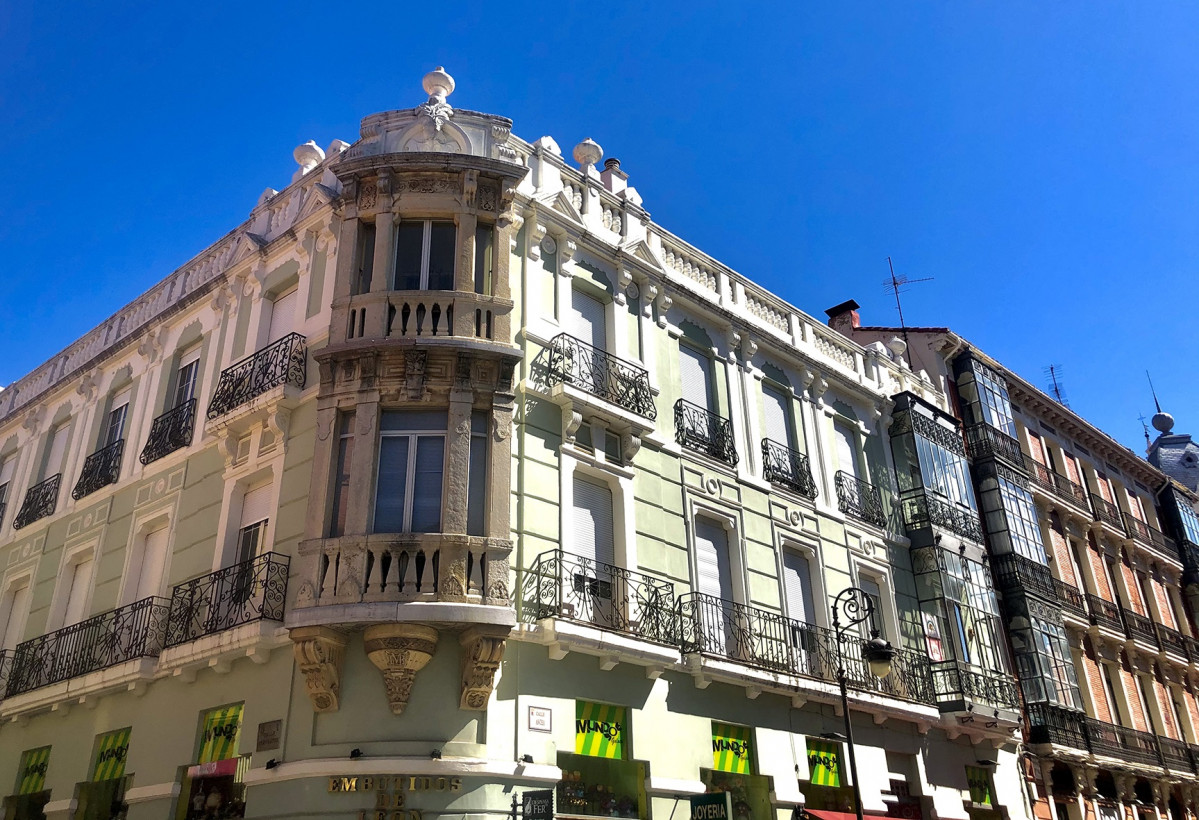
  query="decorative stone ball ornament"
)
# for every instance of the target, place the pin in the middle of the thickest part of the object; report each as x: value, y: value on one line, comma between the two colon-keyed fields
x: 438, y: 84
x: 587, y: 153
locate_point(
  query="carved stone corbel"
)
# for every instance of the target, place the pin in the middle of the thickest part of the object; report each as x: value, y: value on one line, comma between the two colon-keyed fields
x: 482, y: 652
x: 399, y: 651
x: 414, y: 373
x: 470, y: 187
x: 277, y: 421
x: 535, y: 234
x: 624, y: 278
x: 650, y: 292
x: 571, y: 422
x: 664, y: 303
x: 629, y: 445
x: 319, y: 651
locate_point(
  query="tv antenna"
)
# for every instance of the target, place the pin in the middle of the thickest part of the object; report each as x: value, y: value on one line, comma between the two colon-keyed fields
x: 1056, y: 388
x: 896, y: 285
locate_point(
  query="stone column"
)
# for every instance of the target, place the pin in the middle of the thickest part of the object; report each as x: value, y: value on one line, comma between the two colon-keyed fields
x: 455, y: 489
x: 399, y: 651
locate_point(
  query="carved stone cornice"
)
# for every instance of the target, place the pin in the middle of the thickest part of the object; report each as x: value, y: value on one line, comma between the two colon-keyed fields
x: 399, y: 651
x: 482, y: 653
x: 319, y: 651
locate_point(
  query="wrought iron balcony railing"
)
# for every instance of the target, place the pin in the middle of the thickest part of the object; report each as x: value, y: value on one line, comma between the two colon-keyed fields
x: 1105, y: 613
x: 1015, y: 572
x: 746, y: 634
x: 279, y: 363
x: 601, y: 374
x: 119, y: 635
x: 5, y: 669
x: 574, y: 588
x: 954, y: 682
x: 170, y: 432
x: 1106, y: 512
x: 1139, y: 627
x: 1126, y: 744
x: 859, y: 499
x: 985, y: 441
x: 1148, y: 535
x: 40, y: 501
x: 921, y: 509
x: 697, y: 429
x: 1192, y: 647
x: 100, y: 469
x: 1172, y: 640
x: 1048, y: 723
x: 1056, y: 483
x: 782, y: 465
x: 251, y: 591
x: 1072, y: 600
x: 1176, y: 755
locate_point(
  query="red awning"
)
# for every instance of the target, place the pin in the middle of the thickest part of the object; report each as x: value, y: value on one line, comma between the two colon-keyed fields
x: 821, y: 814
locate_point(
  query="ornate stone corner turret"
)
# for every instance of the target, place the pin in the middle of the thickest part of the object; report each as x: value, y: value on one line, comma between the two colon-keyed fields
x: 400, y: 651
x: 482, y: 652
x: 318, y: 652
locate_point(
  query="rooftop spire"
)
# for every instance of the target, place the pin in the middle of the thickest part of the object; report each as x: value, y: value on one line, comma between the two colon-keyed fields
x: 1162, y: 422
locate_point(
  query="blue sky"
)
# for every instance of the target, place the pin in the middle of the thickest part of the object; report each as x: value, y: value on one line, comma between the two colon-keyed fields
x: 1039, y: 160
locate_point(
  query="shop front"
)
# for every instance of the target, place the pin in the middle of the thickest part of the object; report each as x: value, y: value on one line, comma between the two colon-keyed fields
x: 827, y: 789
x: 214, y: 786
x: 599, y: 779
x: 103, y: 797
x: 734, y: 770
x: 31, y: 795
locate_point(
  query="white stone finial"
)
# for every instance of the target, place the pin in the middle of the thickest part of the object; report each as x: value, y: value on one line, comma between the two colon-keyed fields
x: 308, y: 156
x: 587, y: 153
x: 438, y: 84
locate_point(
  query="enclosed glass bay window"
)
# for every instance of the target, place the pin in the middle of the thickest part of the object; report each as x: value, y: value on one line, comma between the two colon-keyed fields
x: 411, y: 462
x: 424, y: 258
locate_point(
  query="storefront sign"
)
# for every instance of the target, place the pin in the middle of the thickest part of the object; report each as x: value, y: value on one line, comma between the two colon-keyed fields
x: 538, y: 805
x: 390, y: 791
x: 979, y: 780
x: 33, y: 770
x: 824, y: 763
x: 599, y: 730
x: 219, y: 737
x: 730, y: 749
x: 217, y: 768
x: 715, y: 806
x: 111, y: 750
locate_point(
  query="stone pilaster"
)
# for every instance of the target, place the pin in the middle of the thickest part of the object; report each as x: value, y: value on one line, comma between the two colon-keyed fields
x: 399, y: 651
x: 319, y: 651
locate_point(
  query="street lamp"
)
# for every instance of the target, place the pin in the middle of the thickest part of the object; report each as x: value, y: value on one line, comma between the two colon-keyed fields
x: 855, y: 606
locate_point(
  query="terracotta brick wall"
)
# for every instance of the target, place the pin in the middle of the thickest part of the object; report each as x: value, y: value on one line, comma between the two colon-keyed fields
x: 1163, y: 603
x: 1071, y: 467
x: 1105, y: 489
x: 1037, y: 447
x: 1135, y: 600
x: 1093, y: 680
x: 1192, y: 706
x: 1132, y: 692
x: 1059, y: 547
x: 1166, y: 708
x: 1098, y: 569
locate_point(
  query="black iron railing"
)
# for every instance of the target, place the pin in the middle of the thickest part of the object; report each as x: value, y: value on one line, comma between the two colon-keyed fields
x: 1015, y: 572
x: 955, y: 682
x: 1048, y: 723
x: 5, y: 669
x: 1139, y: 627
x: 1126, y: 744
x: 1176, y: 755
x: 1146, y: 534
x: 1104, y: 613
x: 571, y: 587
x: 1071, y: 598
x: 281, y: 362
x: 782, y: 465
x: 1172, y: 640
x: 100, y: 469
x: 859, y: 499
x: 1107, y: 512
x: 921, y: 509
x: 601, y: 374
x: 697, y: 429
x: 251, y: 591
x: 1056, y: 483
x: 123, y: 634
x: 985, y: 441
x: 40, y: 501
x: 170, y: 432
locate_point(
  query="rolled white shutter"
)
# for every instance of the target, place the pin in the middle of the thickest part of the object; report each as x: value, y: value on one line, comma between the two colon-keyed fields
x: 715, y: 576
x: 154, y: 557
x: 256, y: 505
x: 695, y: 369
x: 593, y: 529
x: 6, y: 469
x: 797, y: 583
x: 16, y: 601
x: 58, y: 448
x: 589, y: 319
x: 774, y: 406
x: 282, y: 315
x: 77, y: 594
x: 847, y: 450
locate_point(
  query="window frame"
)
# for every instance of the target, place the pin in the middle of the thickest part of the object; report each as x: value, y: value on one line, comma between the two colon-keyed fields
x: 427, y: 224
x: 413, y: 434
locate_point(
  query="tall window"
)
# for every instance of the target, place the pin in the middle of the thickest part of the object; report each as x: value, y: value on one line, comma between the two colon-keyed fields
x: 425, y: 255
x: 972, y: 610
x: 411, y: 458
x: 797, y: 586
x: 1045, y: 667
x: 7, y: 467
x: 945, y: 473
x: 79, y: 581
x: 476, y: 502
x: 341, y: 486
x: 1021, y: 516
x: 114, y: 428
x: 713, y: 564
x: 873, y: 588
x: 56, y: 449
x: 365, y: 263
x: 847, y: 448
x: 994, y: 400
x: 695, y: 370
x: 594, y: 537
x: 13, y: 606
x: 255, y: 515
x: 185, y: 377
x: 484, y: 258
x: 776, y: 415
x: 145, y: 572
x: 283, y: 315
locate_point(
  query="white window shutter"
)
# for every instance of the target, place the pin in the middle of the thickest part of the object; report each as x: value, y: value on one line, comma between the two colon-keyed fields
x: 12, y: 615
x: 778, y: 425
x: 6, y: 469
x: 695, y: 370
x: 847, y: 449
x: 256, y: 505
x: 797, y: 584
x: 593, y: 530
x: 715, y: 575
x: 154, y: 557
x: 589, y: 319
x: 283, y: 311
x: 58, y: 448
x: 81, y: 575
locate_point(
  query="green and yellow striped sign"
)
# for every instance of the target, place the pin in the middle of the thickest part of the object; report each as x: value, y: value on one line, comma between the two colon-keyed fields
x: 979, y: 780
x: 730, y: 748
x: 824, y: 763
x: 111, y: 750
x: 221, y: 732
x: 33, y: 770
x: 599, y: 730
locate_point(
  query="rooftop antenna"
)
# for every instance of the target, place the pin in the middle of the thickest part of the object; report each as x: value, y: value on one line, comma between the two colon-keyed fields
x: 1053, y: 372
x: 1145, y: 427
x: 1156, y: 403
x: 895, y: 284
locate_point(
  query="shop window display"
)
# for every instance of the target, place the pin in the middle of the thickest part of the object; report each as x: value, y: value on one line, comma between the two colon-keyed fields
x: 826, y: 789
x: 214, y: 787
x: 103, y: 797
x: 734, y: 770
x: 598, y: 780
x: 32, y: 796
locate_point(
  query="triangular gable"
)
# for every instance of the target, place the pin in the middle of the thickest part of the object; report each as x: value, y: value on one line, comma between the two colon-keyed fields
x: 643, y: 253
x: 563, y: 204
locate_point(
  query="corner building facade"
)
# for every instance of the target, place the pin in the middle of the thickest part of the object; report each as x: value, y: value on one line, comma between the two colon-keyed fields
x: 459, y: 477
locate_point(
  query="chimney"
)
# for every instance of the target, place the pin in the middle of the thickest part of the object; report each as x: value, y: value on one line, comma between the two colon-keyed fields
x: 844, y: 318
x: 614, y: 179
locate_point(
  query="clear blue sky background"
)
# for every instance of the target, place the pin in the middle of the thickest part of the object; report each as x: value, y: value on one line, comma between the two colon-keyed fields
x: 1040, y: 160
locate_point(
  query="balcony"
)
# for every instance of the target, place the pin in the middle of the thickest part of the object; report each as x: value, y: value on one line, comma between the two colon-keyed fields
x: 859, y: 499
x: 1138, y: 627
x: 561, y: 585
x: 790, y: 468
x: 697, y: 429
x: 40, y: 501
x: 1176, y: 755
x: 955, y: 682
x: 123, y: 634
x: 745, y: 634
x: 921, y: 510
x: 428, y: 315
x: 1056, y: 483
x: 574, y: 362
x: 170, y: 432
x: 1105, y: 613
x: 5, y: 669
x: 985, y: 441
x: 280, y: 363
x: 1148, y: 536
x: 1171, y: 640
x: 1107, y: 513
x: 1015, y: 572
x: 100, y: 469
x: 243, y: 593
x: 1052, y: 724
x: 1071, y: 599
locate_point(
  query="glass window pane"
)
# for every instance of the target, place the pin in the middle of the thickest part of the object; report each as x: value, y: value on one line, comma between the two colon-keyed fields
x: 484, y: 237
x: 414, y: 420
x: 441, y: 256
x: 341, y: 487
x: 426, y: 495
x: 409, y: 241
x: 476, y: 501
x: 366, y: 257
x: 393, y: 480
